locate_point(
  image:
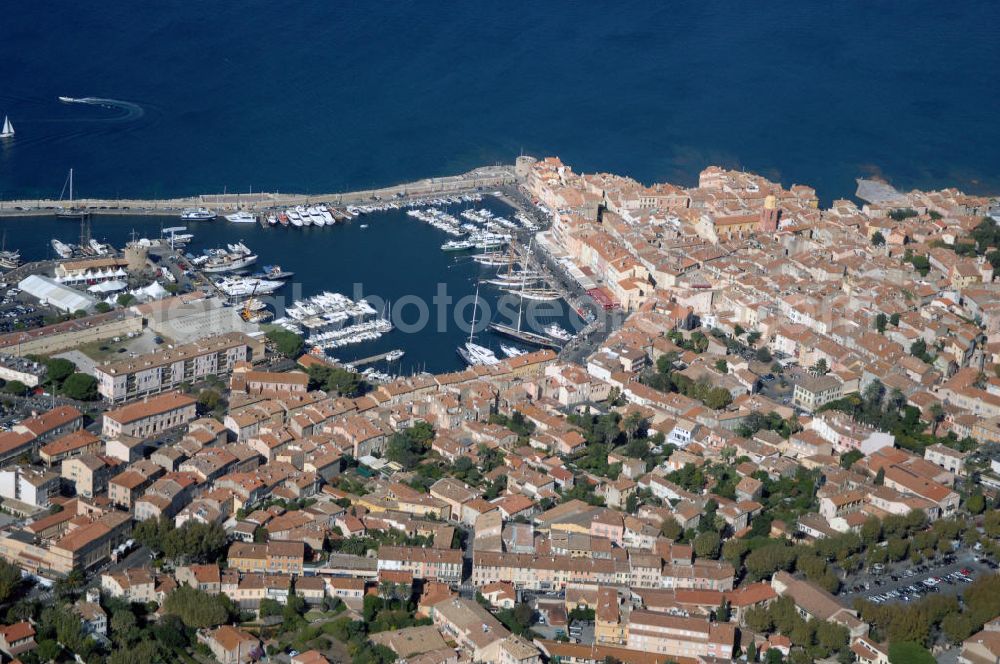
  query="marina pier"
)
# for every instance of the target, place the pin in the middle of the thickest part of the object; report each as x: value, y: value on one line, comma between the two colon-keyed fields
x: 476, y: 179
x: 369, y: 360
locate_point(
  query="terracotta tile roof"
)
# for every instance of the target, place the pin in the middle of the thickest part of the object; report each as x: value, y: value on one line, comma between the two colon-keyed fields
x: 157, y: 405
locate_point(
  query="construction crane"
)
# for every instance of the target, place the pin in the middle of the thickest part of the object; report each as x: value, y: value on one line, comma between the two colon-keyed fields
x: 246, y: 305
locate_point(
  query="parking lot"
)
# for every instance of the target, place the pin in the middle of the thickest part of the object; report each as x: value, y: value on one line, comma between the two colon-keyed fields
x: 904, y: 582
x: 16, y: 313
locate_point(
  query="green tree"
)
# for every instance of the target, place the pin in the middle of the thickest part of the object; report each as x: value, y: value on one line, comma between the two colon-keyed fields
x: 718, y: 398
x: 269, y: 607
x: 848, y: 459
x: 903, y: 213
x: 10, y: 580
x: 706, y: 545
x: 670, y: 528
x: 126, y: 300
x: 170, y: 632
x: 936, y: 412
x: 140, y: 653
x: 723, y: 612
x: 15, y: 387
x: 209, y: 399
x: 831, y: 636
x: 763, y: 355
x: 523, y: 614
x: 196, y: 608
x: 976, y: 503
x: 633, y: 424
x: 337, y: 381
x: 192, y: 542
x: 768, y: 559
x: 878, y: 239
x: 47, y: 651
x: 80, y: 386
x: 907, y: 652
x: 897, y: 548
x: 409, y: 446
x: 820, y: 368
x: 59, y: 369
x: 102, y: 307
x: 880, y: 322
x: 957, y: 627
x: 733, y: 551
x: 124, y: 627
x: 918, y: 349
x: 287, y: 343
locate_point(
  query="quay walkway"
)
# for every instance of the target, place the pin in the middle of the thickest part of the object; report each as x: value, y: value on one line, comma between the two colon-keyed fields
x: 366, y: 360
x: 479, y: 178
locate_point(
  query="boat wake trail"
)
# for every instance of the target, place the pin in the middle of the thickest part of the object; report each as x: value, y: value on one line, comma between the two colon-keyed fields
x: 128, y: 110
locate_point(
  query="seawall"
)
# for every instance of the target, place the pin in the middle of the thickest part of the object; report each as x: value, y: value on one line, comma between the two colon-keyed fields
x: 485, y: 177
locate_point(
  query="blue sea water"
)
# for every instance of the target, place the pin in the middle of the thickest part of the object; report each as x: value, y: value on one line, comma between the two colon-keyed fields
x: 388, y: 257
x: 311, y: 96
x: 320, y: 96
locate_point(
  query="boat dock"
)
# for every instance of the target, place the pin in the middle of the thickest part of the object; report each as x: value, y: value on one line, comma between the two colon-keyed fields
x: 488, y: 177
x: 368, y: 360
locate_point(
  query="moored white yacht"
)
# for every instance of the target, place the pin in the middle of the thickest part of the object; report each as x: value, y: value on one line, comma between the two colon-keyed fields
x: 458, y: 245
x: 316, y: 216
x: 197, y: 214
x: 243, y: 286
x: 556, y: 332
x: 62, y: 249
x: 474, y: 354
x: 241, y: 217
x: 511, y: 351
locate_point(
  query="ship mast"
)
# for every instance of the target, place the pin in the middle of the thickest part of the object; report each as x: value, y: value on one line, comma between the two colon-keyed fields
x: 475, y: 305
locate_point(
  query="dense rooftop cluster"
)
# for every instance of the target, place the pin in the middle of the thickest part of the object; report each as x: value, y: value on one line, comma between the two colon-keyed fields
x: 787, y: 451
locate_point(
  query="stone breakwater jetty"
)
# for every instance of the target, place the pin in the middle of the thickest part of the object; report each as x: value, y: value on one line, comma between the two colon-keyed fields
x: 476, y: 179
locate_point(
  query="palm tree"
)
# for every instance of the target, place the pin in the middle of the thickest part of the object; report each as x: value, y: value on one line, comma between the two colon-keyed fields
x: 632, y: 424
x: 937, y: 414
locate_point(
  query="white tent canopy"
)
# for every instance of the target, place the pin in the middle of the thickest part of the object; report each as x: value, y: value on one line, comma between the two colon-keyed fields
x: 108, y: 287
x: 48, y: 291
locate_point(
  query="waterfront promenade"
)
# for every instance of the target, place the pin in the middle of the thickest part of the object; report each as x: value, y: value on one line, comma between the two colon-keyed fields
x: 479, y: 178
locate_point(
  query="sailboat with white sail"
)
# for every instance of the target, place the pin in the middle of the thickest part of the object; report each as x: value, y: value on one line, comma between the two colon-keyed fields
x: 8, y: 128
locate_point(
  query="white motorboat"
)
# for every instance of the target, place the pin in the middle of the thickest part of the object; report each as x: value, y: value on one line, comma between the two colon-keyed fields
x: 241, y: 217
x: 476, y: 355
x: 556, y: 332
x: 237, y: 257
x: 62, y: 249
x: 197, y: 214
x: 243, y: 286
x: 458, y: 245
x: 511, y: 351
x: 317, y: 217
